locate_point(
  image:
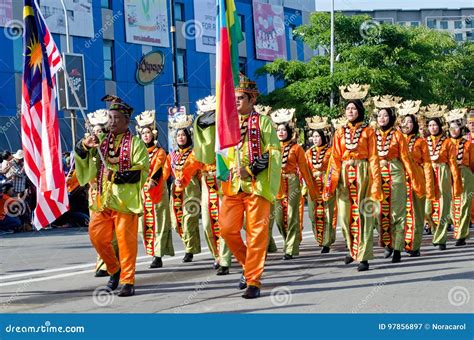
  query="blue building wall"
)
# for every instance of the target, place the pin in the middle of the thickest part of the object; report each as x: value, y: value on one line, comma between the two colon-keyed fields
x: 126, y: 57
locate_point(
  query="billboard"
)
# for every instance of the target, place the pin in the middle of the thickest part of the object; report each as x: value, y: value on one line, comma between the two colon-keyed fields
x: 146, y: 22
x: 269, y: 30
x: 204, y: 26
x: 6, y: 13
x: 74, y: 66
x: 79, y: 14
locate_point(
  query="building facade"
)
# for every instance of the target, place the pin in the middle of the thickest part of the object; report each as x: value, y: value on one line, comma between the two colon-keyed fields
x: 111, y: 59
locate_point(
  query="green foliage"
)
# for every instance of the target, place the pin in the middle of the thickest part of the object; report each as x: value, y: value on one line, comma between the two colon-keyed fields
x: 410, y: 62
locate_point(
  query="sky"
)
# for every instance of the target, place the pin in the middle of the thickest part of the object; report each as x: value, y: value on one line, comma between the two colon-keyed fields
x: 325, y: 5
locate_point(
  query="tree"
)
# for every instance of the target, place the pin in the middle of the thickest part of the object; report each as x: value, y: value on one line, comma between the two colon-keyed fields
x: 410, y: 62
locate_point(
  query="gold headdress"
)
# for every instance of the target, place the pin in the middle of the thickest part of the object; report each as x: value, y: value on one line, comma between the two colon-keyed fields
x: 457, y: 115
x: 386, y: 101
x: 354, y: 91
x: 263, y: 110
x: 282, y: 116
x: 434, y: 111
x: 146, y: 119
x: 207, y: 104
x: 99, y: 117
x: 318, y: 123
x: 408, y: 107
x: 339, y: 122
x: 246, y: 85
x: 181, y: 121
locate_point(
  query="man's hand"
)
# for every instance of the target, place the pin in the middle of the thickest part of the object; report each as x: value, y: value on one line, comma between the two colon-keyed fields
x: 90, y: 142
x: 243, y: 173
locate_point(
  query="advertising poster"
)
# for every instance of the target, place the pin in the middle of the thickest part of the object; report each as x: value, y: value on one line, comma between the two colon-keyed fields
x: 205, y: 25
x: 146, y: 22
x: 6, y: 13
x: 79, y: 13
x: 269, y: 30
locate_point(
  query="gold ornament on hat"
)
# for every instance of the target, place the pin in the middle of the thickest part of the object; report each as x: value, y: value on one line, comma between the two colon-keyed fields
x: 207, y: 104
x: 318, y: 123
x: 181, y: 121
x: 434, y: 111
x: 408, y: 107
x: 457, y: 114
x: 146, y: 119
x: 339, y: 122
x: 262, y: 109
x: 282, y: 116
x: 99, y: 117
x: 354, y: 91
x: 386, y: 101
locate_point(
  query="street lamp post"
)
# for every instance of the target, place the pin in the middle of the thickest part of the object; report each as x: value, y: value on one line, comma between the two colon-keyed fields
x: 331, y: 103
x: 173, y: 52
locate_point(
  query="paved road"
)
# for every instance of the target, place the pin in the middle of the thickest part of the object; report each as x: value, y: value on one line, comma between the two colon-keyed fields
x: 52, y: 272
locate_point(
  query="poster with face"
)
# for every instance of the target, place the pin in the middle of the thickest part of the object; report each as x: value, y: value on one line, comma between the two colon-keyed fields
x: 269, y: 30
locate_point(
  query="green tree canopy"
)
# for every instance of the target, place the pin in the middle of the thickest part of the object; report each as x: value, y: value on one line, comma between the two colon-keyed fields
x: 410, y: 62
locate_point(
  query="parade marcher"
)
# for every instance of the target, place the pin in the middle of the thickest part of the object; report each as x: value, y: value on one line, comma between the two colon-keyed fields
x: 204, y: 151
x: 321, y: 213
x: 98, y: 122
x: 118, y: 203
x: 465, y: 161
x: 395, y: 165
x: 287, y: 206
x: 354, y: 174
x: 155, y: 224
x: 443, y: 155
x: 423, y: 171
x: 185, y: 191
x: 251, y: 189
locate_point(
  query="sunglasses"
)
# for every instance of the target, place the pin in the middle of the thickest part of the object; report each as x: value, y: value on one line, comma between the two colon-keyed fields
x: 240, y: 97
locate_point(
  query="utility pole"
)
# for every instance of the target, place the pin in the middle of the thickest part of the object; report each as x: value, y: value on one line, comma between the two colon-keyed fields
x: 173, y: 51
x: 331, y: 103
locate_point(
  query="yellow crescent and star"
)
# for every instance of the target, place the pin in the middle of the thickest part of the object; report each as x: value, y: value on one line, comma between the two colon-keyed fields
x: 35, y: 52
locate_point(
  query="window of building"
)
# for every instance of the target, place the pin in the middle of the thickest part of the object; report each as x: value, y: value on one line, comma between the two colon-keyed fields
x: 414, y: 23
x: 431, y: 23
x: 243, y: 65
x: 242, y: 22
x: 469, y: 23
x: 458, y: 24
x: 469, y: 36
x: 458, y: 37
x: 109, y: 73
x: 181, y: 65
x: 105, y: 3
x: 178, y: 11
x: 443, y: 25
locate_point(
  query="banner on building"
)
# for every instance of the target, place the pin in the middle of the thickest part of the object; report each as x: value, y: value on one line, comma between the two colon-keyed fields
x: 74, y: 66
x: 269, y: 30
x: 146, y: 22
x: 80, y: 17
x: 6, y: 12
x: 204, y: 25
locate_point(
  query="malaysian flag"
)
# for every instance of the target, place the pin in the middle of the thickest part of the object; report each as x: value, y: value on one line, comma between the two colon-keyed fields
x: 39, y: 121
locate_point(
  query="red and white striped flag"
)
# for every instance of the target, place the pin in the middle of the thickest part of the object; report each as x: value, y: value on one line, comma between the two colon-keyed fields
x: 39, y: 121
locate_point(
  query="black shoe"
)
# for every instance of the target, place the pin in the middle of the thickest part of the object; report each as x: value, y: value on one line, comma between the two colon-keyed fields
x: 435, y: 245
x: 127, y: 290
x: 216, y: 265
x: 363, y: 266
x: 223, y: 271
x: 101, y: 273
x: 242, y: 282
x: 156, y: 263
x: 288, y: 257
x: 414, y: 253
x: 442, y: 246
x: 397, y: 256
x: 387, y: 253
x: 460, y: 242
x: 251, y: 292
x: 450, y: 227
x: 114, y: 281
x: 348, y: 259
x: 188, y: 257
x: 325, y: 250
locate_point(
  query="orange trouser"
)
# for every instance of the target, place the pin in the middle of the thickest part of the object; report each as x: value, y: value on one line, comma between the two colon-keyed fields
x: 101, y: 233
x: 257, y: 216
